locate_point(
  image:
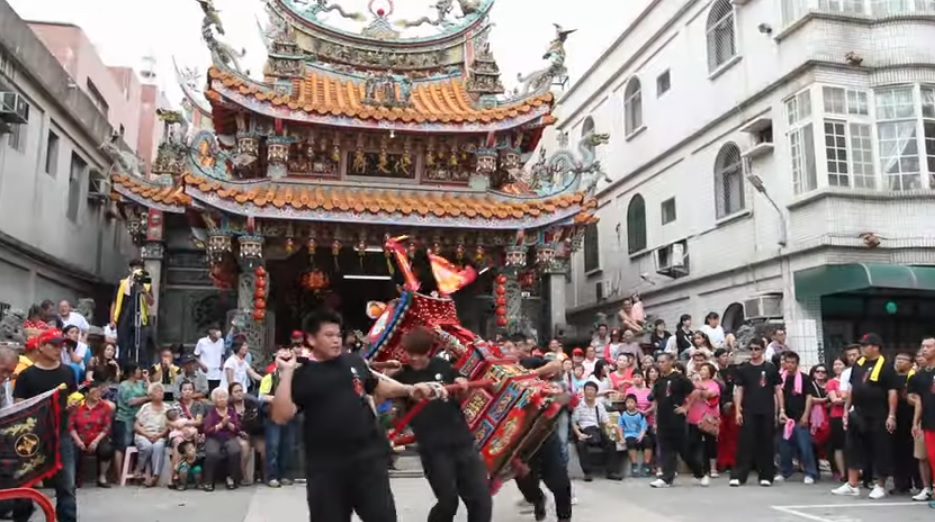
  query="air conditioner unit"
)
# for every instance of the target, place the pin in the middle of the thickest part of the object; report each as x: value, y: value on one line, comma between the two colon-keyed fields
x: 99, y: 190
x: 766, y: 306
x: 13, y: 108
x: 672, y: 260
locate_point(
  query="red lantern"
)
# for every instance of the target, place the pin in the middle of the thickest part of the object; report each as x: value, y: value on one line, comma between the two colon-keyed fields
x: 259, y: 271
x: 501, y: 279
x: 499, y: 290
x: 259, y: 304
x: 500, y: 301
x: 501, y: 321
x: 259, y: 294
x: 260, y: 283
x: 501, y: 311
x: 259, y: 315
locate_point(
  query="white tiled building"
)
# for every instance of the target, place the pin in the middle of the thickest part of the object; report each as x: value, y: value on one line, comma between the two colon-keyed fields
x: 830, y: 104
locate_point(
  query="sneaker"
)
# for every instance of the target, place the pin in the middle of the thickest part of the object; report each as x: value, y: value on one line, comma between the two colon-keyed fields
x: 923, y: 496
x: 286, y: 482
x: 846, y: 490
x: 877, y: 493
x: 539, y: 512
x: 588, y: 477
x: 659, y: 483
x: 659, y: 473
x: 704, y: 481
x: 808, y: 481
x: 574, y: 501
x: 713, y: 474
x: 765, y: 483
x: 525, y: 508
x: 734, y: 483
x: 778, y: 478
x: 273, y: 483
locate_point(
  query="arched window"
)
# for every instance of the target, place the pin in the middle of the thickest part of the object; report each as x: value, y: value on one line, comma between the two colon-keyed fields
x: 728, y: 181
x: 722, y: 41
x: 587, y: 127
x: 636, y: 224
x: 633, y: 106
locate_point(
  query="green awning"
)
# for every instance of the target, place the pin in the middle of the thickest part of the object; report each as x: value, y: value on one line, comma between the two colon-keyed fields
x: 854, y: 277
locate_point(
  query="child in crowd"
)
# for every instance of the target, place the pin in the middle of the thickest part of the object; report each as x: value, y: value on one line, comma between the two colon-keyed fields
x: 632, y: 428
x: 179, y: 428
x: 189, y: 471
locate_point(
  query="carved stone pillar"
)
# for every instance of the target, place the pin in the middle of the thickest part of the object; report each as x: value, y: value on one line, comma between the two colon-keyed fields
x: 515, y: 262
x: 553, y: 264
x: 486, y: 165
x: 277, y: 156
x: 252, y: 292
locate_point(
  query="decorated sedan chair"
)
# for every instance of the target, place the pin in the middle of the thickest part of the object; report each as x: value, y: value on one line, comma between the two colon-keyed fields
x: 509, y: 409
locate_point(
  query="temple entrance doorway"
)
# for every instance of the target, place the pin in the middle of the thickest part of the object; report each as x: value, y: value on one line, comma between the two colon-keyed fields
x: 302, y: 283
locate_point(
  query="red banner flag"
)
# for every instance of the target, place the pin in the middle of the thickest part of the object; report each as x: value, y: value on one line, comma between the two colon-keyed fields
x: 449, y: 277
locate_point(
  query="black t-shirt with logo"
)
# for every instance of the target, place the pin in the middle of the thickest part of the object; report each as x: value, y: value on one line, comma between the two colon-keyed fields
x: 871, y: 397
x: 794, y: 403
x: 923, y: 385
x: 35, y: 381
x: 759, y: 383
x: 440, y: 424
x: 670, y: 392
x: 340, y: 423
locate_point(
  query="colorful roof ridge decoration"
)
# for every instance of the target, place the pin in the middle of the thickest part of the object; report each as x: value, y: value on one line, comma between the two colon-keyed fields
x: 172, y: 196
x: 445, y: 101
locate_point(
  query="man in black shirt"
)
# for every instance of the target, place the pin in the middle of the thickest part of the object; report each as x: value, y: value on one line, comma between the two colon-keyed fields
x: 905, y: 470
x: 48, y: 373
x: 757, y: 392
x: 547, y: 464
x: 669, y: 394
x: 451, y: 463
x: 921, y: 390
x: 797, y: 393
x: 870, y: 424
x: 345, y: 447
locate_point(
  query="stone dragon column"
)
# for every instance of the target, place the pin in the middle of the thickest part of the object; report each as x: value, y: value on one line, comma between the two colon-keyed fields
x: 515, y: 262
x: 252, y: 292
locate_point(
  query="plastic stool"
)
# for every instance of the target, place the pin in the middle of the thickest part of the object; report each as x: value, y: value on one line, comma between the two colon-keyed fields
x: 127, y: 461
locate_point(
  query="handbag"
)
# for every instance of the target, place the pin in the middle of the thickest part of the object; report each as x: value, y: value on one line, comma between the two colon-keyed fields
x: 710, y: 424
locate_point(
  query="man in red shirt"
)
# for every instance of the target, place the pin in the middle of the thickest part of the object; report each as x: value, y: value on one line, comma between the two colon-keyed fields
x: 88, y: 426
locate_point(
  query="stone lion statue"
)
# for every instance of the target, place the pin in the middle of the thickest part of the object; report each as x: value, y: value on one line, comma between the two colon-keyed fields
x: 11, y: 327
x: 85, y: 307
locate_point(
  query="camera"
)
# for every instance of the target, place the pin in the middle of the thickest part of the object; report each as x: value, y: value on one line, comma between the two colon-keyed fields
x: 141, y: 277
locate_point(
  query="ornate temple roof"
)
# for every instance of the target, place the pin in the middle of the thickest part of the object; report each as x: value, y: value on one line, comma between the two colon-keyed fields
x: 336, y: 100
x: 346, y: 203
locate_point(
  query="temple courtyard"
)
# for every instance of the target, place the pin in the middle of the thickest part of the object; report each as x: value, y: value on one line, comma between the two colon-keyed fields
x: 598, y: 501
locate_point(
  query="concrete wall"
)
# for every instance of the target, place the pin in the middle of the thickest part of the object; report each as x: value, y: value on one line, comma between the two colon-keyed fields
x: 151, y: 129
x: 119, y: 86
x: 44, y: 253
x: 673, y: 155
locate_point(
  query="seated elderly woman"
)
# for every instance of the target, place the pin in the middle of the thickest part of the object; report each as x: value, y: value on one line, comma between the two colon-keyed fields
x: 251, y: 430
x: 151, y: 429
x: 89, y: 426
x: 222, y: 444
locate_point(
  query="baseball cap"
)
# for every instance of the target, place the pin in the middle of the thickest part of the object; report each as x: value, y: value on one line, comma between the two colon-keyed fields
x: 296, y: 334
x: 871, y: 339
x: 50, y: 336
x: 577, y: 351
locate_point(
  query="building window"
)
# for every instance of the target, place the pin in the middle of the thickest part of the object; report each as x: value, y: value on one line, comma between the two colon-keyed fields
x: 663, y: 84
x: 17, y: 139
x: 592, y: 252
x: 843, y: 6
x: 668, y: 211
x: 801, y: 137
x: 928, y: 129
x: 897, y: 7
x: 51, y: 154
x: 897, y: 129
x: 633, y: 106
x: 636, y: 225
x: 78, y: 168
x: 848, y: 138
x: 97, y: 98
x: 722, y: 45
x: 728, y: 181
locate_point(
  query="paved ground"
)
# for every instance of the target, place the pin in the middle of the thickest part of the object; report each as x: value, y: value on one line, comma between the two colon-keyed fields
x: 599, y: 501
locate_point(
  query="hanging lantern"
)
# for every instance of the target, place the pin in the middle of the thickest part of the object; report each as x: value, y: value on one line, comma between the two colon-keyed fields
x: 311, y: 245
x: 501, y: 311
x: 290, y: 245
x: 500, y: 301
x: 314, y: 280
x: 260, y: 283
x: 499, y: 290
x: 501, y: 321
x: 259, y: 315
x: 259, y: 271
x: 479, y: 253
x: 259, y: 304
x: 259, y: 293
x: 501, y: 279
x: 411, y: 249
x: 459, y: 252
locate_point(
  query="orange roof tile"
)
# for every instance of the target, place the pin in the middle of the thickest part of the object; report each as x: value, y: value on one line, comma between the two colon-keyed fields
x: 445, y: 101
x: 166, y: 195
x: 382, y: 201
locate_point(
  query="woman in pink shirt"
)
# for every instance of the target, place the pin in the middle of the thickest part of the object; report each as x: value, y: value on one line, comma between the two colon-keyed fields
x: 704, y: 408
x: 622, y: 377
x: 836, y: 398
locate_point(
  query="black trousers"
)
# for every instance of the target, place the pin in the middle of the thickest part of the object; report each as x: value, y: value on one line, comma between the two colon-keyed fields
x: 674, y: 441
x: 756, y: 447
x: 905, y: 466
x: 454, y: 473
x: 104, y: 453
x: 868, y: 442
x: 548, y: 466
x: 607, y: 448
x: 702, y: 444
x: 359, y: 484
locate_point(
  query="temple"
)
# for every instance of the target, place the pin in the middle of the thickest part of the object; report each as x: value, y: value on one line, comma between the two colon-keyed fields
x: 268, y: 197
